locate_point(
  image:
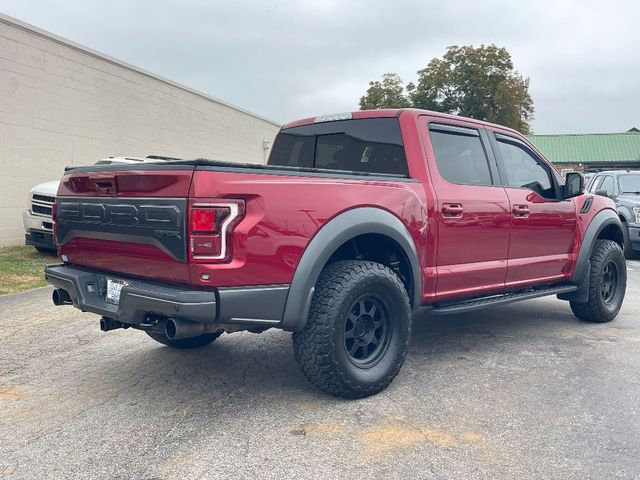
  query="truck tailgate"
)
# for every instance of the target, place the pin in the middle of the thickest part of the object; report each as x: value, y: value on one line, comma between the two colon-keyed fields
x: 126, y: 220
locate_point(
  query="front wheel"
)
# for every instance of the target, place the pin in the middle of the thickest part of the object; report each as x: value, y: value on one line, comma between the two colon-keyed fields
x: 607, y: 284
x: 357, y: 334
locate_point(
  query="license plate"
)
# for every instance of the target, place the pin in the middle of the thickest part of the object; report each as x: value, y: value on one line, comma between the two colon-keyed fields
x: 113, y: 290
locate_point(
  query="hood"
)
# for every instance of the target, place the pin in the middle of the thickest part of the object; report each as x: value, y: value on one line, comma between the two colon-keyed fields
x: 47, y: 188
x: 629, y: 199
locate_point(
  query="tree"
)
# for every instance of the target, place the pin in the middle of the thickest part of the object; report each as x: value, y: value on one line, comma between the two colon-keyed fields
x: 386, y: 94
x: 473, y: 82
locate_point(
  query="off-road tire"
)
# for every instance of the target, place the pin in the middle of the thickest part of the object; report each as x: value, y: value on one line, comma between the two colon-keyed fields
x: 326, y: 350
x: 184, y: 343
x: 597, y: 309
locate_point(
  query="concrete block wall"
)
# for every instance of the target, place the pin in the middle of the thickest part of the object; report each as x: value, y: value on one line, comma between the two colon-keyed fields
x: 64, y: 104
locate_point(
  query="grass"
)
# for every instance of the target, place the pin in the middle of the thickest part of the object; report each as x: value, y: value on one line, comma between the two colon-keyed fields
x: 21, y: 268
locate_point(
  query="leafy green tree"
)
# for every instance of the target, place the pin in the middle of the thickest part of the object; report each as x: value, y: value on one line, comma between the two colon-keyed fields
x: 386, y: 94
x: 473, y: 82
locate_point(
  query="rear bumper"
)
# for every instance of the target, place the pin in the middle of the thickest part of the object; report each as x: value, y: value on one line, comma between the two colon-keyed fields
x: 253, y: 306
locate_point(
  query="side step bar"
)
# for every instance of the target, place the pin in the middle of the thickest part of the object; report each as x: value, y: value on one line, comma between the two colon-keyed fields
x: 451, y: 308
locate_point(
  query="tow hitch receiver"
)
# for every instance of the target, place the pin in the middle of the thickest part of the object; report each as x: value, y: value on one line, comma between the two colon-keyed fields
x: 107, y: 324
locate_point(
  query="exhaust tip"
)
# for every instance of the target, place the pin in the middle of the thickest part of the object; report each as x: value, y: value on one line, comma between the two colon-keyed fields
x: 170, y: 329
x: 61, y: 297
x: 177, y: 329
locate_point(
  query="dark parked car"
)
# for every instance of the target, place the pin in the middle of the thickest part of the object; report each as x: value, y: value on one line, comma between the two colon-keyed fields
x: 623, y: 187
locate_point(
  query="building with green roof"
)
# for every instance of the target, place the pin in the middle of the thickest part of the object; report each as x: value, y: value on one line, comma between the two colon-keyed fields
x: 591, y: 152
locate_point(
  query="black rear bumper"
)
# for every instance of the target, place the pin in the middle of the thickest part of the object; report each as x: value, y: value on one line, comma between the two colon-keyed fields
x: 260, y: 305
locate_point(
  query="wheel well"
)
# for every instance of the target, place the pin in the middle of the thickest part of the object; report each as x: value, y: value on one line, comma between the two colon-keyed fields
x: 612, y: 232
x: 381, y: 249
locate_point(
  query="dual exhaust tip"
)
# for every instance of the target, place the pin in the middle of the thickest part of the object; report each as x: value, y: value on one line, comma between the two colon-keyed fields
x: 61, y: 297
x: 174, y: 328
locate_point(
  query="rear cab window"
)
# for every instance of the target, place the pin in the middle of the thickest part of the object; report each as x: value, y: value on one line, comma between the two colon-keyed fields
x: 368, y: 146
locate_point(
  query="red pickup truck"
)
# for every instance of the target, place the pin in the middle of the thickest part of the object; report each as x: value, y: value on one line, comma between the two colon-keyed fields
x: 357, y: 220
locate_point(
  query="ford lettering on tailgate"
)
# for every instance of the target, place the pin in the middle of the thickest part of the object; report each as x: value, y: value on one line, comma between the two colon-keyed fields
x: 158, y: 222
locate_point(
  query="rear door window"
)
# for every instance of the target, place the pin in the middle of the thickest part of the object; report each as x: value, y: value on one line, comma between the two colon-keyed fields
x: 370, y: 145
x: 460, y: 155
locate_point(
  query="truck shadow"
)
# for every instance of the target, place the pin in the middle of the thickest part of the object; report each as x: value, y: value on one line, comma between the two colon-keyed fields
x: 245, y: 367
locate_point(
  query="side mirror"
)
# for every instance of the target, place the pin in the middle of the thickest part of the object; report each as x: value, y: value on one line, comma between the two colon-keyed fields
x: 573, y: 185
x: 602, y: 193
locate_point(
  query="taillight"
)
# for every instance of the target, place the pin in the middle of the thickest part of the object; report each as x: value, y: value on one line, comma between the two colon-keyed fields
x: 211, y: 227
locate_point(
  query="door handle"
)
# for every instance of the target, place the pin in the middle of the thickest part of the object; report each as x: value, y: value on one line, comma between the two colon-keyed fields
x: 520, y: 211
x: 452, y: 210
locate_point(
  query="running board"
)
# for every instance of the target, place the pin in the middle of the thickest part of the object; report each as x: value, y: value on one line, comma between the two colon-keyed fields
x: 462, y: 306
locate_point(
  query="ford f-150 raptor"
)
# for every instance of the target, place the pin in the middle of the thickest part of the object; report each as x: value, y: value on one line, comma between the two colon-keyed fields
x: 356, y: 220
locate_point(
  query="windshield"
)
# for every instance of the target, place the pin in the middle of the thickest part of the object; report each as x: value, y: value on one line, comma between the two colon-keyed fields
x: 629, y: 183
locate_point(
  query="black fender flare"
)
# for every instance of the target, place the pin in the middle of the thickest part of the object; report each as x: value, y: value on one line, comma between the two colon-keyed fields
x: 330, y: 237
x: 624, y: 211
x: 580, y: 277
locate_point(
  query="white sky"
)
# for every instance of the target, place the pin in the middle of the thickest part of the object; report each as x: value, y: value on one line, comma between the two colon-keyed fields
x: 294, y: 59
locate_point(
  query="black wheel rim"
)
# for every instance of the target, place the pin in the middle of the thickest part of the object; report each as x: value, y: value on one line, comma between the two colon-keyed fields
x: 609, y: 283
x: 367, y: 331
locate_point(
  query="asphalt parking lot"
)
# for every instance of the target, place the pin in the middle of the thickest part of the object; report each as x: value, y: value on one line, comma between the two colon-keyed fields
x: 523, y: 391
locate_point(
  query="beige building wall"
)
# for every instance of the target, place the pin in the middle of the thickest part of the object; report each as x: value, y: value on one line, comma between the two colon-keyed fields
x: 63, y: 104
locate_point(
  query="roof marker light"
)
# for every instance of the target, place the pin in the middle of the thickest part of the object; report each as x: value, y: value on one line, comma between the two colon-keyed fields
x: 332, y: 117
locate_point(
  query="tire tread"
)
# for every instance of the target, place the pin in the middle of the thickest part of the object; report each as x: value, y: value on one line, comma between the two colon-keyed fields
x: 313, y: 345
x: 593, y: 311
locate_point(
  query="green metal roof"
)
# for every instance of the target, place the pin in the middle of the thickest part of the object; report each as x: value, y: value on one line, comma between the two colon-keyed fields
x: 589, y: 148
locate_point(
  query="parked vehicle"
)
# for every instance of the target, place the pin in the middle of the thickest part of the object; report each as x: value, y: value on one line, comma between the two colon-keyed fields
x: 623, y: 187
x: 36, y: 218
x: 357, y: 220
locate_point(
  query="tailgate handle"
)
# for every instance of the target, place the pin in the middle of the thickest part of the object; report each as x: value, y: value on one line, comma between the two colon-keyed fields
x: 104, y: 185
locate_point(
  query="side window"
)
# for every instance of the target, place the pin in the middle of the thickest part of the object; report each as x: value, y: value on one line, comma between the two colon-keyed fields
x: 460, y: 156
x: 524, y: 171
x: 607, y: 185
x: 595, y: 184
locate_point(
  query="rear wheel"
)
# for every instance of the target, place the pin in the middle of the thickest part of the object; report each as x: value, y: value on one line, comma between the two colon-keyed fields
x: 607, y: 284
x: 48, y: 251
x: 357, y: 334
x: 193, y: 342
